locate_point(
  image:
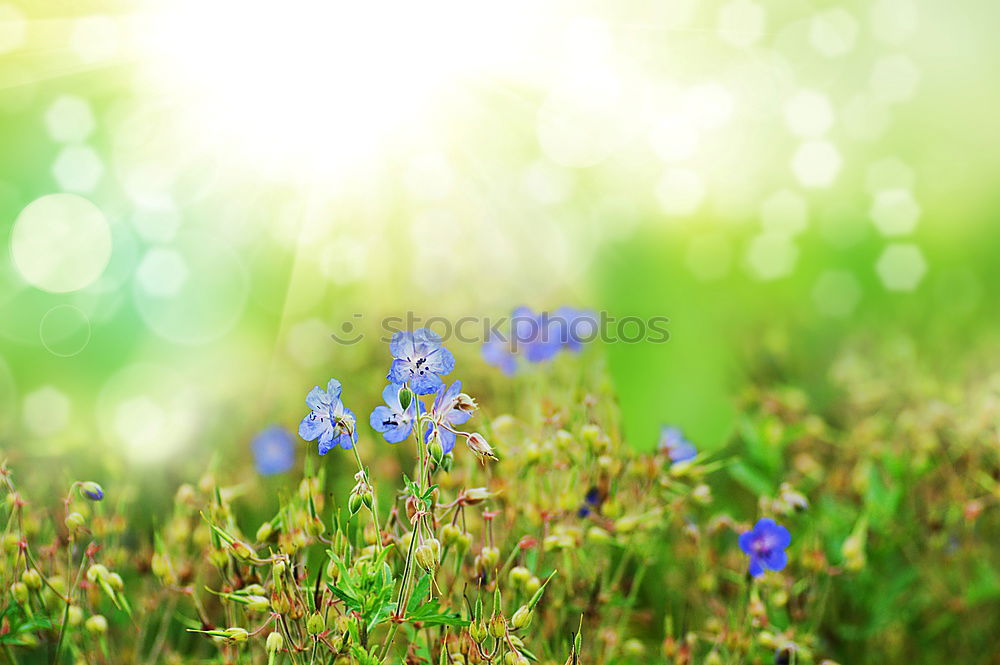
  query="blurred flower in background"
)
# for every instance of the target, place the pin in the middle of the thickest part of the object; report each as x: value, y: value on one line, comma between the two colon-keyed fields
x: 273, y: 451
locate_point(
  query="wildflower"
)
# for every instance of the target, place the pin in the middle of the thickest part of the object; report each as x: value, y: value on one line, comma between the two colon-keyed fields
x: 591, y: 501
x: 528, y: 334
x: 394, y: 422
x: 677, y: 448
x: 765, y: 544
x: 420, y: 360
x: 329, y: 420
x: 573, y: 327
x: 273, y: 451
x: 92, y: 491
x: 447, y: 413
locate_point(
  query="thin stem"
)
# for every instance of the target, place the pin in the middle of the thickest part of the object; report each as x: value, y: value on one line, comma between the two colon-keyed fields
x: 374, y: 508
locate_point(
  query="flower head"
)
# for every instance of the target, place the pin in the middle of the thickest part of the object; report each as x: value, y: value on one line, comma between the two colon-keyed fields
x: 766, y: 544
x: 573, y: 327
x: 420, y: 360
x: 273, y: 451
x: 393, y: 421
x: 677, y: 448
x: 329, y: 420
x: 450, y: 408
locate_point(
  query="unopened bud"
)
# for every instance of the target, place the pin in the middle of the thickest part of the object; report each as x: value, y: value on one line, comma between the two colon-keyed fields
x: 436, y: 449
x: 427, y: 556
x: 97, y: 572
x: 242, y: 550
x: 116, y: 582
x: 74, y: 521
x: 32, y: 579
x: 498, y: 627
x: 20, y: 592
x: 74, y: 616
x: 354, y: 503
x: 450, y: 534
x: 519, y: 576
x: 448, y: 462
x: 96, y: 625
x: 92, y: 491
x: 522, y: 617
x: 275, y: 642
x: 264, y: 532
x: 478, y: 631
x: 315, y: 624
x: 405, y: 398
x: 258, y: 603
x: 237, y: 634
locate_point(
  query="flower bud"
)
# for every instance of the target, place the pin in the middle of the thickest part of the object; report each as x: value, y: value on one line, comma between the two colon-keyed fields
x: 97, y: 572
x: 96, y: 625
x: 74, y: 521
x: 275, y: 642
x: 498, y: 627
x: 478, y: 631
x: 519, y: 576
x: 405, y: 397
x: 92, y: 491
x: 258, y: 603
x: 32, y: 579
x: 20, y: 592
x: 450, y: 534
x: 315, y: 624
x: 354, y: 503
x: 237, y: 634
x: 463, y: 542
x: 116, y: 582
x: 521, y: 618
x: 475, y: 495
x: 436, y: 450
x: 243, y: 551
x: 74, y: 616
x: 427, y: 556
x: 264, y: 532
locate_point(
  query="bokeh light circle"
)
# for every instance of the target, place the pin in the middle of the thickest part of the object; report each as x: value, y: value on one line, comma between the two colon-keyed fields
x: 202, y: 294
x: 148, y: 413
x: 61, y: 243
x: 64, y: 331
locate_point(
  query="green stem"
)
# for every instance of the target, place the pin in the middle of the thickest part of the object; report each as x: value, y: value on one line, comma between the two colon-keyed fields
x: 374, y: 508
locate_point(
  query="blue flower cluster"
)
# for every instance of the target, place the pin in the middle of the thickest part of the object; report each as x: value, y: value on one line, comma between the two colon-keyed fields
x: 539, y: 337
x: 419, y: 363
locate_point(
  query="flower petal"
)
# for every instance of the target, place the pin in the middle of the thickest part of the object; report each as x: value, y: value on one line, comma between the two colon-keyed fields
x: 310, y: 427
x: 401, y: 345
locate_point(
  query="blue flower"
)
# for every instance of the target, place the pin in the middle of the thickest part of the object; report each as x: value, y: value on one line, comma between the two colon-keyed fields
x: 573, y: 327
x: 451, y: 407
x: 394, y: 423
x: 766, y: 544
x: 591, y: 501
x: 420, y: 360
x: 329, y: 420
x: 273, y: 451
x: 673, y: 443
x: 497, y: 353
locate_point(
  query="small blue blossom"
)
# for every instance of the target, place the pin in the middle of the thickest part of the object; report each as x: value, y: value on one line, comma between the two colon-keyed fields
x: 766, y: 544
x: 273, y: 451
x: 573, y: 327
x: 673, y: 443
x: 451, y: 407
x: 539, y: 337
x: 591, y: 501
x: 392, y: 421
x: 329, y: 420
x: 420, y: 360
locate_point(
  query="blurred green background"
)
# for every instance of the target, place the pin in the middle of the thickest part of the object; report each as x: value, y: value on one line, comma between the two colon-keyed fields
x: 194, y: 196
